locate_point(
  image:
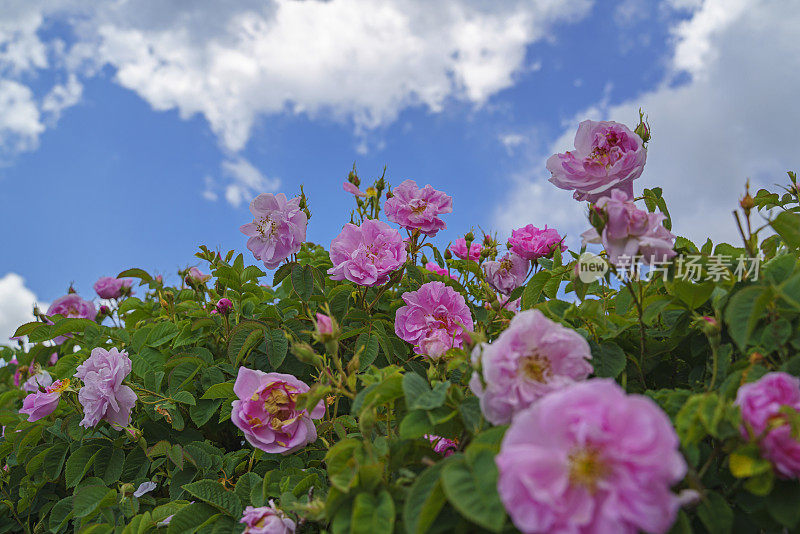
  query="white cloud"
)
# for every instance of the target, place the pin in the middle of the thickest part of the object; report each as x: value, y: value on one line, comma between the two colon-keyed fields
x: 512, y: 140
x: 735, y: 119
x: 245, y: 182
x: 62, y: 97
x: 16, y: 305
x: 20, y: 120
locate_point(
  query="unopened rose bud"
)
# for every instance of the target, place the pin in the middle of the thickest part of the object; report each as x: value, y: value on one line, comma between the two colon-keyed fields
x: 326, y: 327
x: 447, y: 254
x: 380, y: 185
x: 643, y: 128
x: 389, y: 195
x: 224, y: 306
x: 425, y: 259
x: 747, y: 203
x: 488, y: 241
x: 105, y: 310
x: 195, y: 277
x: 126, y: 489
x: 306, y: 354
x: 709, y: 326
x: 160, y: 279
x: 71, y: 290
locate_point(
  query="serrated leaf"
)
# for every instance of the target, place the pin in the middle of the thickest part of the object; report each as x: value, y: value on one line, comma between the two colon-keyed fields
x: 214, y: 493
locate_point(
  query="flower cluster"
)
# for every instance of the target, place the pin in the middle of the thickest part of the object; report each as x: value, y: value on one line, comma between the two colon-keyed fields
x: 266, y: 413
x: 435, y: 319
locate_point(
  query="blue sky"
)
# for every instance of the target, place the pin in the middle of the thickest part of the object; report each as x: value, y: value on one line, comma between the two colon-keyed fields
x: 129, y: 135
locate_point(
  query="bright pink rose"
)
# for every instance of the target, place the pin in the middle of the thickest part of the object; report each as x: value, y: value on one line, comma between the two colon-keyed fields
x: 435, y: 318
x: 36, y: 382
x: 418, y: 209
x: 459, y: 248
x: 434, y: 268
x: 278, y: 228
x: 324, y: 323
x: 224, y: 306
x: 39, y: 404
x: 353, y: 190
x: 607, y: 156
x: 506, y: 274
x: 53, y: 358
x: 266, y: 520
x: 761, y: 403
x: 441, y: 445
x: 367, y: 254
x: 591, y: 459
x: 108, y: 287
x: 631, y: 232
x: 532, y: 243
x: 196, y: 276
x: 72, y: 306
x: 266, y: 412
x: 529, y: 359
x: 103, y: 396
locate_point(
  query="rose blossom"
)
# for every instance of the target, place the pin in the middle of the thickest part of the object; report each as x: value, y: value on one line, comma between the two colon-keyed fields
x: 607, y: 156
x: 435, y: 318
x: 278, y: 228
x: 459, y: 248
x: 418, y: 209
x: 266, y: 412
x: 630, y: 231
x: 589, y: 459
x: 529, y: 359
x: 761, y: 404
x: 324, y: 323
x: 367, y: 254
x: 39, y: 404
x: 42, y: 379
x: 224, y: 306
x: 532, y: 243
x: 441, y: 445
x: 72, y: 306
x: 353, y: 190
x: 434, y: 268
x: 109, y: 287
x: 266, y: 520
x: 103, y: 396
x: 507, y: 274
x: 196, y: 276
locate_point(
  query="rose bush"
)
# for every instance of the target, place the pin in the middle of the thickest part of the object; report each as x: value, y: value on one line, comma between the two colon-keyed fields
x: 397, y: 383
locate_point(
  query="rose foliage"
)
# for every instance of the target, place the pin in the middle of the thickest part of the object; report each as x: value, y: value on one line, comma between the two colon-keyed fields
x: 397, y: 383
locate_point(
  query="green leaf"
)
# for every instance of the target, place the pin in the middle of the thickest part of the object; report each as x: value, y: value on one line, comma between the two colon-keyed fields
x: 108, y: 465
x: 136, y: 273
x: 690, y: 293
x: 278, y: 347
x: 787, y: 225
x: 79, y: 463
x: 219, y: 391
x: 343, y: 462
x: 215, y: 494
x: 184, y: 397
x: 189, y: 518
x: 782, y: 503
x: 60, y: 514
x: 715, y: 513
x: 244, y: 338
x: 303, y: 281
x: 414, y: 386
x: 89, y: 498
x: 161, y: 334
x: 534, y: 288
x: 367, y: 350
x: 608, y: 359
x: 282, y: 272
x: 415, y: 424
x: 471, y: 487
x: 744, y: 465
x: 432, y: 398
x: 424, y: 500
x: 204, y: 410
x: 373, y: 514
x: 743, y: 312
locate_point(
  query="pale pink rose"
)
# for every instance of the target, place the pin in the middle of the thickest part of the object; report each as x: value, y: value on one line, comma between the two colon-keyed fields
x: 266, y: 411
x: 418, y: 209
x: 367, y: 254
x: 531, y: 358
x: 36, y: 382
x: 53, y: 358
x: 40, y: 404
x: 459, y: 249
x: 109, y: 287
x: 324, y: 323
x: 761, y: 403
x: 590, y: 459
x: 196, y: 276
x: 72, y: 306
x: 607, y: 156
x: 631, y: 232
x: 506, y: 274
x: 266, y: 520
x: 441, y: 445
x: 434, y: 268
x: 435, y: 319
x: 353, y: 190
x: 532, y: 243
x: 103, y: 396
x: 278, y: 229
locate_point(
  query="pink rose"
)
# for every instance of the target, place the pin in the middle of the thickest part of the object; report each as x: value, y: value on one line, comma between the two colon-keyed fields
x: 434, y: 268
x: 103, y: 396
x: 459, y: 249
x: 589, y: 459
x: 324, y: 324
x: 38, y: 381
x: 353, y: 190
x: 441, y: 445
x: 108, y: 287
x: 266, y: 520
x: 367, y: 254
x: 761, y: 403
x: 435, y: 319
x: 39, y: 404
x: 72, y: 306
x: 507, y: 274
x: 196, y: 276
x: 630, y: 232
x: 224, y: 306
x: 266, y: 412
x: 418, y: 209
x: 607, y: 156
x: 278, y: 229
x: 529, y: 359
x: 532, y: 243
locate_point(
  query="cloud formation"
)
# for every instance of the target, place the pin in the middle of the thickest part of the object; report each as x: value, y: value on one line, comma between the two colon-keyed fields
x: 16, y: 305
